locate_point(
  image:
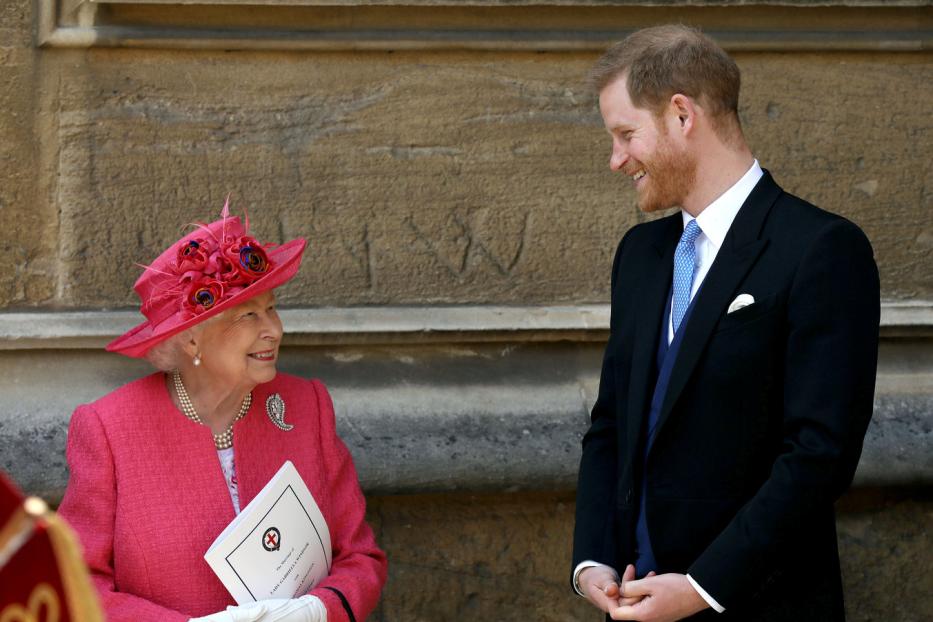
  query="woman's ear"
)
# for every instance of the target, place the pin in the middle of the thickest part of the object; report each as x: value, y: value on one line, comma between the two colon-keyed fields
x: 191, y: 344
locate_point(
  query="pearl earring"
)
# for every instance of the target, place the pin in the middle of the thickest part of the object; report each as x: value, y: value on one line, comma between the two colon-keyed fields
x: 197, y: 359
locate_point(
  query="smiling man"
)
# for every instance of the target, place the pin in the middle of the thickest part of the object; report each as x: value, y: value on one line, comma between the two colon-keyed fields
x: 738, y: 379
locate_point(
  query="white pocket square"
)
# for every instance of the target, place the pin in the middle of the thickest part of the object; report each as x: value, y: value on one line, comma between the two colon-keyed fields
x: 742, y: 300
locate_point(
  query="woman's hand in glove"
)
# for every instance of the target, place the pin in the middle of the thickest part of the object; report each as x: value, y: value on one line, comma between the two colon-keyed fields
x: 306, y: 608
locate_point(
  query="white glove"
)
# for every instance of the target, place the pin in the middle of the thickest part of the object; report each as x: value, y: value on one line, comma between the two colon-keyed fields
x: 306, y: 608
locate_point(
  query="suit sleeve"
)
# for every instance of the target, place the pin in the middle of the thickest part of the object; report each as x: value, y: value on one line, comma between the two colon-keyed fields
x: 831, y: 355
x: 351, y: 590
x: 593, y: 538
x: 89, y: 506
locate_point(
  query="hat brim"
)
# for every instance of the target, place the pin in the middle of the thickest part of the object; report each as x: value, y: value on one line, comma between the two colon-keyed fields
x: 140, y: 339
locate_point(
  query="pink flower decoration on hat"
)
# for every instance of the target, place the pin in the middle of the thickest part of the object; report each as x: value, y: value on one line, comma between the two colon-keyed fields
x: 212, y: 266
x: 212, y: 271
x: 202, y: 294
x: 192, y: 257
x: 215, y: 267
x: 248, y: 258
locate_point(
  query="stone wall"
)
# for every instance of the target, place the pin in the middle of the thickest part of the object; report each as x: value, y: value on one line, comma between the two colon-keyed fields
x: 504, y: 557
x: 446, y: 166
x: 419, y: 176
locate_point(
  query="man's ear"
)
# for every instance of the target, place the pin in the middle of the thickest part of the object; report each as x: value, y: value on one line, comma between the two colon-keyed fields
x: 685, y: 110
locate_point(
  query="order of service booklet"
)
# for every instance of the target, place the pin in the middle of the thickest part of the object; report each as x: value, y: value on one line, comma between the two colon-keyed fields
x: 278, y: 546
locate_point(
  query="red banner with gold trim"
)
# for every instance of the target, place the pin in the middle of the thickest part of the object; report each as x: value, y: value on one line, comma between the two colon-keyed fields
x: 42, y: 575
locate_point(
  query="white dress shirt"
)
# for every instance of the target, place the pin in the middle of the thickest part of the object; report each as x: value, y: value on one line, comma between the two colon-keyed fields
x: 714, y: 222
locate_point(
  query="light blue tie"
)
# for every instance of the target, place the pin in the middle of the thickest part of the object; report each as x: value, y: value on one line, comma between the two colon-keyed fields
x: 685, y: 267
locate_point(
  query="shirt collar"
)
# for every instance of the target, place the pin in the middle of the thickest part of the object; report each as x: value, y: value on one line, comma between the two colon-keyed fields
x: 716, y: 219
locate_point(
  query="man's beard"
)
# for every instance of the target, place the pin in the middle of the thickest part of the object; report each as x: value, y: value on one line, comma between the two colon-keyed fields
x: 671, y: 175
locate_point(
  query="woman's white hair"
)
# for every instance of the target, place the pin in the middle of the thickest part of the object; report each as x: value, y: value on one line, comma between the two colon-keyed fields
x: 167, y: 355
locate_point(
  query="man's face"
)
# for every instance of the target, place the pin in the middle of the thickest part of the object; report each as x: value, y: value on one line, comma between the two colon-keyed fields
x: 662, y: 170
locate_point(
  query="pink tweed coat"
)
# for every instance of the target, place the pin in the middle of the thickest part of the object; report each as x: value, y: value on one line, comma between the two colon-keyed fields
x: 147, y: 497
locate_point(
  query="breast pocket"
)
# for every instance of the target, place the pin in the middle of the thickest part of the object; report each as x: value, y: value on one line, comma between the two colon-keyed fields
x: 747, y: 315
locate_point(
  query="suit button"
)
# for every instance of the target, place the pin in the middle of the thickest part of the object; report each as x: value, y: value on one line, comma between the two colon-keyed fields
x: 628, y: 496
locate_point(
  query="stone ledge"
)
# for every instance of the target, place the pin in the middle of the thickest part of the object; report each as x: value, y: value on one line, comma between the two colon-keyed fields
x: 472, y: 40
x: 499, y: 448
x: 393, y: 325
x: 474, y: 417
x: 329, y: 326
x: 425, y: 439
x: 480, y: 25
x: 908, y: 318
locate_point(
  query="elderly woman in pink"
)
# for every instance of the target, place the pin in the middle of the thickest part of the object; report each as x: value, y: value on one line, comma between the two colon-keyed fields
x: 162, y: 465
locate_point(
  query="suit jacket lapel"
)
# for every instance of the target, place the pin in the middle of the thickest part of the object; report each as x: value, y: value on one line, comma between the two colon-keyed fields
x: 740, y: 249
x: 656, y: 283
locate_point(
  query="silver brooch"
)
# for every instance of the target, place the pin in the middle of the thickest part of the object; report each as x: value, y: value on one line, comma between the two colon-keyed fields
x: 275, y: 408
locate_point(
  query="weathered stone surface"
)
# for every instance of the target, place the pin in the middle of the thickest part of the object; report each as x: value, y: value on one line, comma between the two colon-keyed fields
x: 34, y: 420
x: 848, y: 143
x: 506, y: 557
x: 15, y: 26
x: 407, y: 191
x: 899, y: 442
x: 478, y: 557
x: 447, y: 177
x: 885, y: 539
x: 28, y: 274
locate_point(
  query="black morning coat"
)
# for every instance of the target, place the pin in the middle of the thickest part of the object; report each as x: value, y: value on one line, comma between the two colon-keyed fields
x: 762, y: 425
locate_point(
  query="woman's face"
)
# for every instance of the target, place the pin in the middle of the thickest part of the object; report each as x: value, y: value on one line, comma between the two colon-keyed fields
x: 241, y: 347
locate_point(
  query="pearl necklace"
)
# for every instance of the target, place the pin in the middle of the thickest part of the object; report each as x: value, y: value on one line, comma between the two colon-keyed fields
x: 224, y: 440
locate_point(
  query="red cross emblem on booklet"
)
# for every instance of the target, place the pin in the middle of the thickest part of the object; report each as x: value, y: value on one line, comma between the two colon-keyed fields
x: 271, y: 539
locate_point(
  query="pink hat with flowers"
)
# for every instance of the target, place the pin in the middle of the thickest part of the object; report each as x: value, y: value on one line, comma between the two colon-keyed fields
x: 212, y: 269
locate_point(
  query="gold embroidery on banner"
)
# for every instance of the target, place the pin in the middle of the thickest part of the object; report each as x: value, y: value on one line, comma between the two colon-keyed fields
x: 80, y: 597
x: 42, y: 595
